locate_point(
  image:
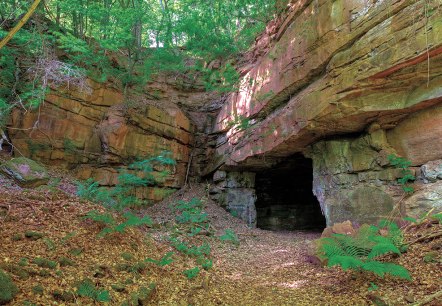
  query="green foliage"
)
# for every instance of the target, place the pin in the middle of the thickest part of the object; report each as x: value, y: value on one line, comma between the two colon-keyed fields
x: 205, y: 263
x: 50, y: 245
x: 407, y: 175
x: 69, y: 146
x: 432, y: 257
x: 44, y: 263
x: 7, y: 288
x: 140, y: 173
x: 23, y: 262
x: 373, y: 287
x: 33, y: 235
x: 360, y: 251
x: 193, y: 219
x: 438, y: 217
x: 141, y: 297
x: 192, y: 273
x: 67, y: 237
x: 106, y: 218
x: 86, y: 288
x: 76, y: 251
x: 239, y: 122
x: 193, y: 251
x: 229, y: 235
x: 127, y: 256
x: 17, y: 237
x: 112, y: 226
x: 191, y: 212
x: 38, y: 289
x: 164, y: 261
x: 64, y: 261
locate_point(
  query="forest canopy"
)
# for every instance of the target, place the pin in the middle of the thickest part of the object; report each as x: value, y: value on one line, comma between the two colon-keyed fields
x: 126, y: 41
x: 168, y: 35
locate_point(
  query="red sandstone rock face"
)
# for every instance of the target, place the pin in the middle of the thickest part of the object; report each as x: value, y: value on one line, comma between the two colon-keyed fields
x: 334, y: 67
x: 98, y: 133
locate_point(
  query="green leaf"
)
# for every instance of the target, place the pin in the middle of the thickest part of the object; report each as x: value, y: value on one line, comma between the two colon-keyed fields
x: 383, y: 248
x: 346, y: 262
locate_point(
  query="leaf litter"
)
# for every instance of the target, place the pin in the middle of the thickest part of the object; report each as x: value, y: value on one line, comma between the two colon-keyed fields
x: 265, y: 268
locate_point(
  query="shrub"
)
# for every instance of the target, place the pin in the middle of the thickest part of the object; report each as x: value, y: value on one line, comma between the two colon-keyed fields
x: 7, y: 288
x: 359, y: 252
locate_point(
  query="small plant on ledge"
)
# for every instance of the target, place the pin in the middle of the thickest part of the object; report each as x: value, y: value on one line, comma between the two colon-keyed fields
x: 407, y: 175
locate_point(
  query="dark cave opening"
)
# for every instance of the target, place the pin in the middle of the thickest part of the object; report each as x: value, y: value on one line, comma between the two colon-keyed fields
x: 285, y: 200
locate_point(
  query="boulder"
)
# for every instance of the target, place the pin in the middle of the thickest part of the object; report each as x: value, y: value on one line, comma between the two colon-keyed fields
x: 432, y: 171
x: 26, y: 172
x: 427, y: 197
x: 344, y: 228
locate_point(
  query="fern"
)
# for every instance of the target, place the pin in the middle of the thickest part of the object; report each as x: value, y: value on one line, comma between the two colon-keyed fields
x: 229, y: 235
x: 164, y: 261
x: 139, y: 173
x: 192, y: 273
x: 403, y: 164
x: 86, y: 288
x: 111, y: 225
x: 383, y: 248
x: 358, y: 252
x: 346, y: 262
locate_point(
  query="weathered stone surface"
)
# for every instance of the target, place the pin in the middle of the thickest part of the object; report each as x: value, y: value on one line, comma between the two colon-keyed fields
x: 427, y: 197
x: 347, y: 83
x: 335, y: 68
x: 419, y: 137
x: 241, y: 203
x: 343, y: 228
x: 351, y: 178
x: 432, y: 171
x: 25, y: 172
x: 96, y: 134
x: 234, y: 191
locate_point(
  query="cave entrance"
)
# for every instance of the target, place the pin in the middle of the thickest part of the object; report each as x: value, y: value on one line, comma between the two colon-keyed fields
x: 285, y: 199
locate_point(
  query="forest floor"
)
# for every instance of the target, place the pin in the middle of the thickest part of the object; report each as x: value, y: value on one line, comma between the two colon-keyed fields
x: 265, y: 268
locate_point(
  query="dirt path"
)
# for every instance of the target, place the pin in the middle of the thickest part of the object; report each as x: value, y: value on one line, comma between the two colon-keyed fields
x: 266, y: 268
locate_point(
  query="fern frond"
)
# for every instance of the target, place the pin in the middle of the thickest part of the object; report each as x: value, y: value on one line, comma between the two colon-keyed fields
x: 376, y: 267
x: 346, y: 262
x: 397, y: 270
x: 383, y: 248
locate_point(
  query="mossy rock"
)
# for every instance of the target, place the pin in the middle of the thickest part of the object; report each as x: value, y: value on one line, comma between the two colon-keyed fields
x: 7, y: 288
x: 26, y: 172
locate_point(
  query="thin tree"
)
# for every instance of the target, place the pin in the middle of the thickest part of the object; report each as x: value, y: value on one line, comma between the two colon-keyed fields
x: 20, y: 24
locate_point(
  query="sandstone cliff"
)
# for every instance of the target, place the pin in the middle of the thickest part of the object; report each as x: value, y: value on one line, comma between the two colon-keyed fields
x: 345, y: 83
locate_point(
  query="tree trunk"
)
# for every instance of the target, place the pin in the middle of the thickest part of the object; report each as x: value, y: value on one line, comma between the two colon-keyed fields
x: 20, y: 23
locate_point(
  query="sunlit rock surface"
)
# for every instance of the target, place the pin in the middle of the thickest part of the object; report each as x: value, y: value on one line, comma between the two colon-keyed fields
x: 95, y: 134
x: 346, y: 83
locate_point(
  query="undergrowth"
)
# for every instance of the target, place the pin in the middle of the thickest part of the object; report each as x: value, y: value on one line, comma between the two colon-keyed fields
x: 407, y: 175
x: 140, y: 173
x: 361, y: 251
x: 86, y: 288
x: 112, y: 226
